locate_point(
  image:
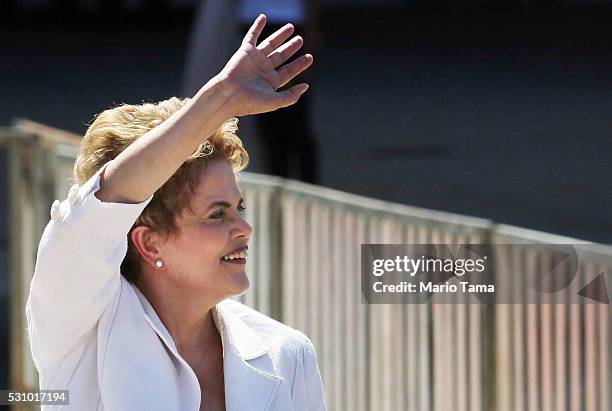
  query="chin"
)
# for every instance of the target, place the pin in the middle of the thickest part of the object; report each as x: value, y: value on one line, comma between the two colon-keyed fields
x: 240, y: 282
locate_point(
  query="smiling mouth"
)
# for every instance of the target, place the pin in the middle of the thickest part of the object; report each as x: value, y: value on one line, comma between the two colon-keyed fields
x: 235, y: 258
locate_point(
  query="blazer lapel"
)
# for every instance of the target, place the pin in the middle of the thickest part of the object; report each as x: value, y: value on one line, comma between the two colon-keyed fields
x: 155, y: 322
x: 250, y: 384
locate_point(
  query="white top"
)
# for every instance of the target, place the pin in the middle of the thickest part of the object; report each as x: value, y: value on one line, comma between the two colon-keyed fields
x: 276, y: 11
x: 95, y: 334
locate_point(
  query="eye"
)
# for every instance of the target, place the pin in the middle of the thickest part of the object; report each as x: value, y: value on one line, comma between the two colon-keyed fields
x: 218, y: 214
x: 221, y: 213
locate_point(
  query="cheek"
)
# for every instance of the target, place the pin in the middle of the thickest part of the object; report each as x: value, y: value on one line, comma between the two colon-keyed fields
x: 205, y: 242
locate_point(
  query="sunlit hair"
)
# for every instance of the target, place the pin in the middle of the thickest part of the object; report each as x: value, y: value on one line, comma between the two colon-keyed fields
x: 115, y: 129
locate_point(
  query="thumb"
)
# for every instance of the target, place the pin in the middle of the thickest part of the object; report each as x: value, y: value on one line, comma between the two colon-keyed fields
x: 291, y: 96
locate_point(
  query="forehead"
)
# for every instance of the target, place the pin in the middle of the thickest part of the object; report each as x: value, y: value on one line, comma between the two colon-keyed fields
x: 217, y: 182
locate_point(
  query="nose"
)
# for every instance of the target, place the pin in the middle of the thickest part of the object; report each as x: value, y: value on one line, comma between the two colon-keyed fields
x: 243, y: 228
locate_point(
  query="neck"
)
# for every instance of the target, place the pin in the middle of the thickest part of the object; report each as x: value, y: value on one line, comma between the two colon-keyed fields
x: 186, y: 315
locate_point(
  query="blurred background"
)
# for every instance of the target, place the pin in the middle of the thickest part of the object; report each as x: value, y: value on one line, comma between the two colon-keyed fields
x: 498, y: 109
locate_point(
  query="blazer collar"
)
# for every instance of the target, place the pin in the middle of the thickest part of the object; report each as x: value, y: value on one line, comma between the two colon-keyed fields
x: 249, y: 385
x: 235, y: 334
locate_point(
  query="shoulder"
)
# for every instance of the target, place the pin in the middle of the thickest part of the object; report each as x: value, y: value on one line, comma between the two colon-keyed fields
x: 293, y: 355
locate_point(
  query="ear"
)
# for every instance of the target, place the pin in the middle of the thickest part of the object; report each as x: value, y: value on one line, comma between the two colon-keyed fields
x: 148, y: 243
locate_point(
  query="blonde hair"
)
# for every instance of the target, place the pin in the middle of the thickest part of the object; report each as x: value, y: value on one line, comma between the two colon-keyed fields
x: 115, y: 129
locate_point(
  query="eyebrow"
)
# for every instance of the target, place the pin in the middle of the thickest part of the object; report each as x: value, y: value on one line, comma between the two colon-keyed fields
x: 223, y: 204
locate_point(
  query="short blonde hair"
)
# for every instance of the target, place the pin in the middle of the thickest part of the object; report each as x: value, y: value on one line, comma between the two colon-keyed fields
x: 115, y: 129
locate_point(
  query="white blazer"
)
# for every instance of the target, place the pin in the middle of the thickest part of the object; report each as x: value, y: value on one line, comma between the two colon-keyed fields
x: 95, y: 334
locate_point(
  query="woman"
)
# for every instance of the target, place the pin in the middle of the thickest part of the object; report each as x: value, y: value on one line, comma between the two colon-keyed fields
x: 128, y: 307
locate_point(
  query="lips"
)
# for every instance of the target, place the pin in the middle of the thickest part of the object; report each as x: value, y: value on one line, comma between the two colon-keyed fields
x: 237, y: 256
x: 238, y: 250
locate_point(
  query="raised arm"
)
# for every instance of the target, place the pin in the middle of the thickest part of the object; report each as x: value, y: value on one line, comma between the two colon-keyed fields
x: 247, y: 85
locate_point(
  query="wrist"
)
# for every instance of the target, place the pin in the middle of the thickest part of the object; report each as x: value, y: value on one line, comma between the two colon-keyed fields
x: 218, y: 94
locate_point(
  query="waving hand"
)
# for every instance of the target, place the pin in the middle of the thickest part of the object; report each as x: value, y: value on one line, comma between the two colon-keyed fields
x: 256, y: 71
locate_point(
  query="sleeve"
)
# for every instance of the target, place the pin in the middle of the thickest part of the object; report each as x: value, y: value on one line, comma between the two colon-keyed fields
x: 77, y: 271
x: 309, y: 395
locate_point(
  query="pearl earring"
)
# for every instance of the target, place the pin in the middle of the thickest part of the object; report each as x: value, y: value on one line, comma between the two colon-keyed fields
x: 159, y: 264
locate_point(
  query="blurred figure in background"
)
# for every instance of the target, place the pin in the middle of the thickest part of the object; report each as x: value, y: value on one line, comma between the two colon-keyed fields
x: 286, y: 136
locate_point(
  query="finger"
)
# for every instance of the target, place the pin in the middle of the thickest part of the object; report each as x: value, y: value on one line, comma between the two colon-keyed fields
x: 276, y: 39
x: 282, y: 54
x: 255, y: 30
x: 292, y: 95
x: 289, y: 71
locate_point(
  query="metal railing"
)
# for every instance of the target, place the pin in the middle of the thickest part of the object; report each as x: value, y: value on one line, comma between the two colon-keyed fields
x: 304, y: 267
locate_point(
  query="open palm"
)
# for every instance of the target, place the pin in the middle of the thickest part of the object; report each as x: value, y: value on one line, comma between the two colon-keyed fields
x: 255, y: 72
